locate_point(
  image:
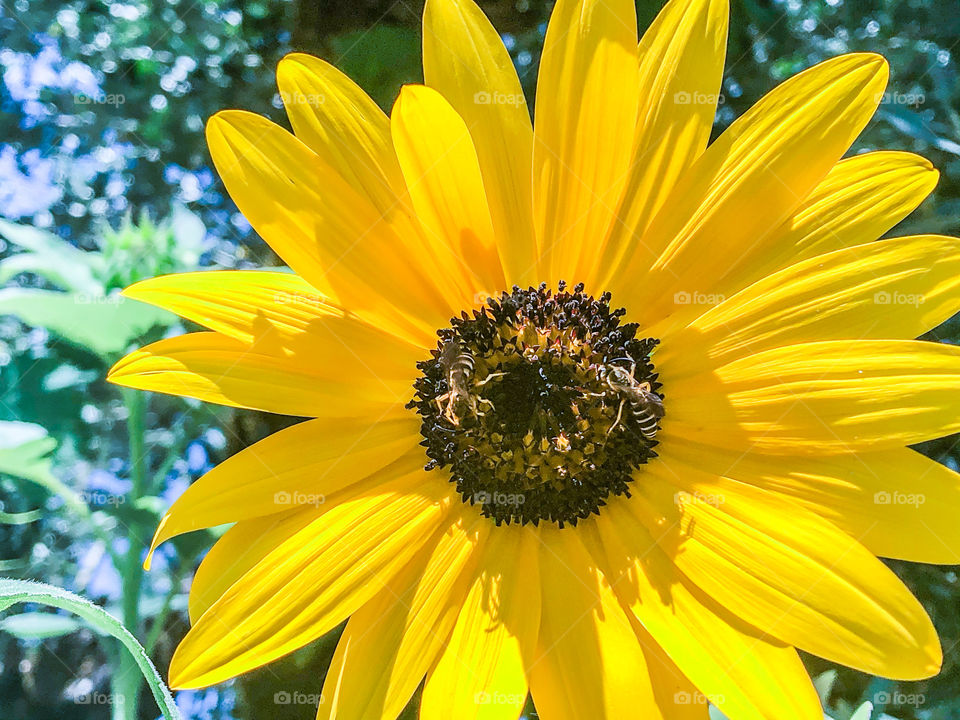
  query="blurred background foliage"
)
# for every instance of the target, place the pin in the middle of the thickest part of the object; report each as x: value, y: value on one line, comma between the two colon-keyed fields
x: 105, y: 179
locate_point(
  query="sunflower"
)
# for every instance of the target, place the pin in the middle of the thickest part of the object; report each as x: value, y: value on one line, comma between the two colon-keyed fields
x: 599, y: 411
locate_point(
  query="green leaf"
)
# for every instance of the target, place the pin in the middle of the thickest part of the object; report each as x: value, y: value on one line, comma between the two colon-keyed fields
x: 863, y: 712
x: 50, y: 257
x: 19, y: 591
x: 104, y: 325
x: 20, y: 518
x: 38, y: 625
x: 25, y: 451
x: 824, y: 683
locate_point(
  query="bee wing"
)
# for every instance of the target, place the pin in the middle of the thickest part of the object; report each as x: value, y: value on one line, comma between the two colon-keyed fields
x: 448, y: 354
x: 653, y: 403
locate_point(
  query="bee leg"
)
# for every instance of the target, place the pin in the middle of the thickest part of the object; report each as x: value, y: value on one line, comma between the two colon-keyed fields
x: 490, y: 377
x: 617, y: 421
x: 448, y: 411
x: 441, y: 400
x: 483, y: 401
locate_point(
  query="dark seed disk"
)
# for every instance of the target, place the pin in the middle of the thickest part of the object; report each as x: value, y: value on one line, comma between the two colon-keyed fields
x: 514, y: 404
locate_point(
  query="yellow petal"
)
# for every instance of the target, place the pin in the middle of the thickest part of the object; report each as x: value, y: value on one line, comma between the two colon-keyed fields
x: 858, y: 201
x: 348, y: 132
x: 821, y: 398
x: 892, y: 289
x: 587, y: 99
x: 218, y: 369
x: 464, y: 59
x: 722, y: 211
x: 240, y: 549
x: 588, y: 663
x: 244, y: 304
x: 280, y: 313
x: 301, y: 465
x: 391, y: 642
x: 443, y: 178
x: 336, y: 119
x: 311, y: 582
x: 330, y: 234
x: 681, y: 66
x: 674, y: 694
x: 897, y: 503
x: 745, y: 674
x: 787, y: 571
x: 480, y: 675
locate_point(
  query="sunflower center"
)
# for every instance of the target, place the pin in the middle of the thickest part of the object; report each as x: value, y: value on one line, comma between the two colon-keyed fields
x: 541, y: 405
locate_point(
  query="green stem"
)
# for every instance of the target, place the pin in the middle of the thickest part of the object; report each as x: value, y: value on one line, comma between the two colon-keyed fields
x: 127, y: 679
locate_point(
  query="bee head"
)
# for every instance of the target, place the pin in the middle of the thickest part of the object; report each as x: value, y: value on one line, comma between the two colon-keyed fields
x: 616, y: 376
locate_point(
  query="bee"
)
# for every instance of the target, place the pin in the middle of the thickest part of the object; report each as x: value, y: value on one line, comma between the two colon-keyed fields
x: 458, y: 367
x: 646, y: 405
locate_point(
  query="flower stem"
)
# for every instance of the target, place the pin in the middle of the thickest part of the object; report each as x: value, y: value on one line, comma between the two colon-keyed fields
x: 127, y: 679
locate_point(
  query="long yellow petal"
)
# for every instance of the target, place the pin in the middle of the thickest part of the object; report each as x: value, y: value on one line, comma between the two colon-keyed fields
x: 681, y: 66
x: 859, y: 200
x: 744, y: 673
x: 897, y: 503
x: 443, y: 178
x: 239, y: 550
x: 723, y: 210
x: 336, y: 119
x: 787, y: 571
x: 464, y: 58
x: 233, y: 302
x: 821, y: 398
x: 892, y: 289
x: 481, y: 675
x: 302, y: 465
x: 329, y: 233
x: 677, y: 697
x: 311, y: 582
x: 276, y: 310
x: 588, y: 663
x: 218, y: 369
x: 391, y: 642
x: 587, y: 100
